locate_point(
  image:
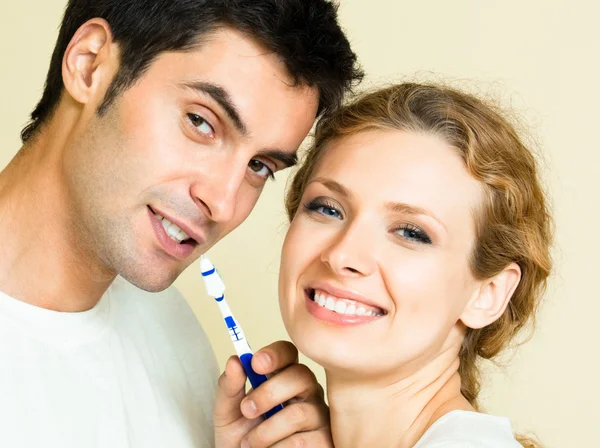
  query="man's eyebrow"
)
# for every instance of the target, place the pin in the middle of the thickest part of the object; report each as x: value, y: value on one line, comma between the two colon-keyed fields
x: 220, y: 95
x: 286, y: 158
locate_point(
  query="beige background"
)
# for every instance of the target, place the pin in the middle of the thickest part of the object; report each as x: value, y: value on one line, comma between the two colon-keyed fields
x: 541, y: 57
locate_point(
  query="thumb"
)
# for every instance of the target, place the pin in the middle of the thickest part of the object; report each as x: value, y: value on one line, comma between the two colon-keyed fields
x: 230, y: 392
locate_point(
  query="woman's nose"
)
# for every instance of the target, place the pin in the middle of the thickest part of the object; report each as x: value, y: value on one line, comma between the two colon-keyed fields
x: 350, y: 253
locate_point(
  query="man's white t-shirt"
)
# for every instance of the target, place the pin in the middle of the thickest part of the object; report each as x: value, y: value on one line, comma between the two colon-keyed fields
x: 464, y: 429
x: 135, y: 371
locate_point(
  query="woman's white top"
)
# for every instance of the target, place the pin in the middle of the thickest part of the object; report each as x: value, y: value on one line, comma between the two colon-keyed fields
x: 466, y: 429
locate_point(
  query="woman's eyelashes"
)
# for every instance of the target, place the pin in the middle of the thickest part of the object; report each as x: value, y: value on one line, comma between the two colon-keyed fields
x: 202, y: 125
x: 412, y: 233
x: 323, y: 206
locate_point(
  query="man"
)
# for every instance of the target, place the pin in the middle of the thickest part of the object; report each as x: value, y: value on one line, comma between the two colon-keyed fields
x: 158, y: 127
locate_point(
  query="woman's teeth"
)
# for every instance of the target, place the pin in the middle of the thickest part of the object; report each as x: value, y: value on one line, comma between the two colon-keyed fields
x: 174, y: 232
x: 345, y: 306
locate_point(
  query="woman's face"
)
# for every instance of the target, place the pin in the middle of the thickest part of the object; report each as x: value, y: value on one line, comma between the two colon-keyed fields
x: 375, y: 266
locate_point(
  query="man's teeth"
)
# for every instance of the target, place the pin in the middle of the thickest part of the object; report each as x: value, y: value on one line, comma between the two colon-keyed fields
x: 172, y: 230
x: 345, y: 306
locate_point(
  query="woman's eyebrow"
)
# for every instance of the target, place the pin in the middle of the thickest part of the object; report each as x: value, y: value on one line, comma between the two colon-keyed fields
x: 333, y: 186
x: 401, y: 207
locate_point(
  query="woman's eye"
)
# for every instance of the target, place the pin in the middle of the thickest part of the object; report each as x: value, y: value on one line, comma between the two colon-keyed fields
x: 413, y: 233
x: 261, y: 169
x: 201, y: 124
x: 322, y: 208
x: 328, y: 211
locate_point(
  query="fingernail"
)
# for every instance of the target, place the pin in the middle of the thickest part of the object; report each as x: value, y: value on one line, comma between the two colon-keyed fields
x: 228, y: 364
x: 248, y: 408
x: 245, y: 444
x: 265, y: 360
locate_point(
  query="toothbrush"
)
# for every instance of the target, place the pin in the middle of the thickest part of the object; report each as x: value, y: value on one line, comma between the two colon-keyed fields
x: 216, y: 288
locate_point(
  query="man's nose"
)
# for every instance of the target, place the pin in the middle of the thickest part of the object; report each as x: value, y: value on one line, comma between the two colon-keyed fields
x: 217, y: 192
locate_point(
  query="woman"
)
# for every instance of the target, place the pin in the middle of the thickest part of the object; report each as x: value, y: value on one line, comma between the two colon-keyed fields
x: 419, y: 243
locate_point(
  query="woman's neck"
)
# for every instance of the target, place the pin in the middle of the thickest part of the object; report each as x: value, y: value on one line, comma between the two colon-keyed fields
x: 394, y: 411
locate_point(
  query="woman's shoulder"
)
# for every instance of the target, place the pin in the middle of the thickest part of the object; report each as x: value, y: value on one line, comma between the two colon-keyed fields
x: 467, y: 429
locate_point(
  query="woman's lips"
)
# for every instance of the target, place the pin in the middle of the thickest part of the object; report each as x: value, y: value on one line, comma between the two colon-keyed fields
x: 344, y: 305
x: 340, y: 311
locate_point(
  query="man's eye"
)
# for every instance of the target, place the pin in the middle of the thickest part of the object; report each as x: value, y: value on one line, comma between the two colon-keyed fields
x: 201, y: 124
x: 261, y: 169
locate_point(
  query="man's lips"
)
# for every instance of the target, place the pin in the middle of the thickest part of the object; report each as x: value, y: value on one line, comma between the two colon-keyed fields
x: 197, y: 236
x: 175, y: 249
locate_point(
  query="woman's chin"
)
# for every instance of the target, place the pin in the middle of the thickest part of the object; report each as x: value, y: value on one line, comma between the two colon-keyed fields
x: 338, y: 359
x: 334, y: 349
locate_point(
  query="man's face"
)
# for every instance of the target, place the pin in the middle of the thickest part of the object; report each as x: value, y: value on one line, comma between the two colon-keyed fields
x: 193, y: 141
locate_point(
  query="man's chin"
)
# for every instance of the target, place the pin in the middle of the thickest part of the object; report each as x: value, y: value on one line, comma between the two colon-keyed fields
x: 149, y: 281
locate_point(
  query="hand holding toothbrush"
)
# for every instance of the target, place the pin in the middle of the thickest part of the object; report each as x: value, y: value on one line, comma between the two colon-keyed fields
x: 238, y: 417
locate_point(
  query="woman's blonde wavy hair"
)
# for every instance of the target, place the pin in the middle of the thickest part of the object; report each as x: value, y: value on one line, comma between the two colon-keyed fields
x: 512, y: 225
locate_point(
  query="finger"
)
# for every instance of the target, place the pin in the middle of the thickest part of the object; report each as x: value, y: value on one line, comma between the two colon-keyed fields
x: 295, y: 383
x: 230, y: 392
x: 322, y: 439
x: 303, y: 417
x: 275, y: 356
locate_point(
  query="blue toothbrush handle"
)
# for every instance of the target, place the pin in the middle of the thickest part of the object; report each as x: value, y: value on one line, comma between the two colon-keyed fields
x: 256, y: 380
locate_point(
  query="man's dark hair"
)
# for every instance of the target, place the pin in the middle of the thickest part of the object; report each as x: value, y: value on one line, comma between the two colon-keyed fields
x: 304, y: 34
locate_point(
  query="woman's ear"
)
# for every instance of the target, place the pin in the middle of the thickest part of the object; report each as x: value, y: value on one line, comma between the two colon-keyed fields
x: 491, y: 298
x: 89, y: 60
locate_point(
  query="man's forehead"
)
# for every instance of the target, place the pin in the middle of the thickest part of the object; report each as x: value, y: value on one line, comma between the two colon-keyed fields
x: 227, y: 57
x: 224, y: 43
x: 248, y: 85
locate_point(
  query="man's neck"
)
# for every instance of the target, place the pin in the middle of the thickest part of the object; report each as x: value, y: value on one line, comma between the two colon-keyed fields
x: 394, y: 411
x: 42, y: 262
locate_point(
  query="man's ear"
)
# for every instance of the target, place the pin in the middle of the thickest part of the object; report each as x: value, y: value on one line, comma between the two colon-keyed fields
x: 491, y: 298
x: 89, y: 61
